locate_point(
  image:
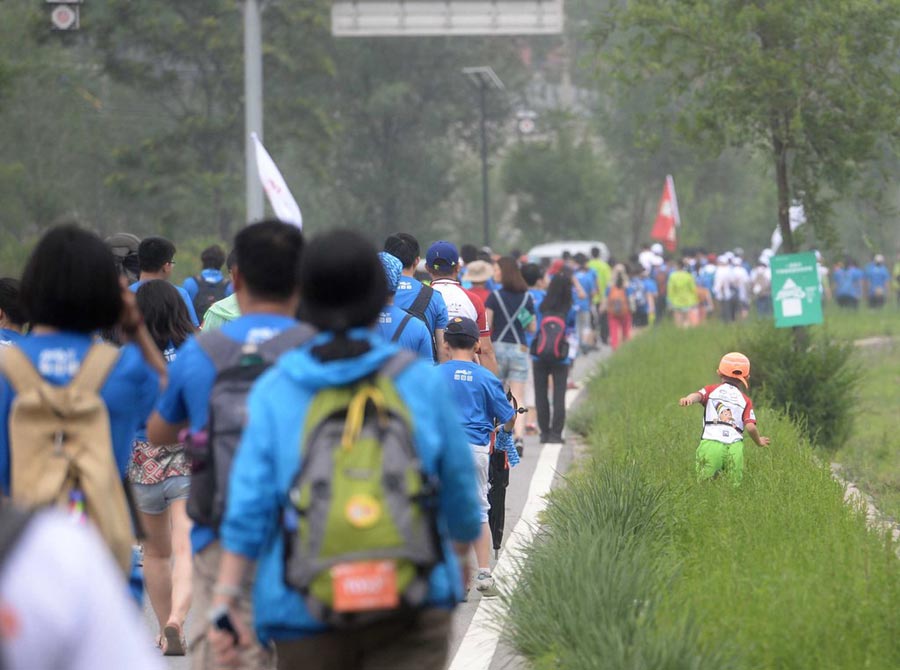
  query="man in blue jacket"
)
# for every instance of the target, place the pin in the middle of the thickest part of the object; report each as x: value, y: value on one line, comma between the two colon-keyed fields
x: 343, y: 289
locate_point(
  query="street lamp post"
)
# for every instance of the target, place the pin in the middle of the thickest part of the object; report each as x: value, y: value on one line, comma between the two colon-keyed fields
x: 484, y: 77
x: 253, y: 105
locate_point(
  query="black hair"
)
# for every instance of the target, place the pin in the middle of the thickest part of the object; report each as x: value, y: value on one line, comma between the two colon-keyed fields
x: 267, y: 256
x: 404, y: 247
x: 532, y: 273
x: 154, y: 253
x: 230, y: 260
x: 595, y: 252
x: 468, y: 253
x: 459, y: 341
x: 342, y: 282
x: 581, y: 259
x: 567, y: 255
x: 10, y: 303
x: 70, y: 282
x: 165, y: 313
x: 558, y: 300
x: 212, y: 257
x: 484, y: 256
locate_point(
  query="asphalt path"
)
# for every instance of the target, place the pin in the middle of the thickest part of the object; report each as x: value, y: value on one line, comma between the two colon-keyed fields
x: 521, y: 478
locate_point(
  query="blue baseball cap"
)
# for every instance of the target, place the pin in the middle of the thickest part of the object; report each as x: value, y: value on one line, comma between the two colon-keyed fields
x: 393, y: 268
x: 461, y: 325
x: 442, y: 254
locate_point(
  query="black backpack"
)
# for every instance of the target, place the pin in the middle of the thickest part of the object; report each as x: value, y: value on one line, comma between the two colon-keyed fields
x: 550, y: 344
x: 238, y: 365
x: 417, y: 310
x: 208, y: 293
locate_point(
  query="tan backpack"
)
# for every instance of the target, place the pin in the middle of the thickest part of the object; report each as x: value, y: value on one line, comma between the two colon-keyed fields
x: 60, y: 441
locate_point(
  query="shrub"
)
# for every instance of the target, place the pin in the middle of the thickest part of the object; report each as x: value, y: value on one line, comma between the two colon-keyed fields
x: 814, y: 384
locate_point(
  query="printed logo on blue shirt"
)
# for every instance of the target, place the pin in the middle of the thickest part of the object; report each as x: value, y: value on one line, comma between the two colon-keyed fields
x: 260, y: 335
x: 462, y: 375
x: 58, y: 363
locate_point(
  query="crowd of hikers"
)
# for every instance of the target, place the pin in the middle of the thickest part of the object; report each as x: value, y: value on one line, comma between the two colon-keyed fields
x: 304, y: 450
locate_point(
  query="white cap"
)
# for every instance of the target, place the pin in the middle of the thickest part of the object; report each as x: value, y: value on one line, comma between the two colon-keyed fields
x: 657, y: 248
x: 879, y: 258
x: 656, y: 261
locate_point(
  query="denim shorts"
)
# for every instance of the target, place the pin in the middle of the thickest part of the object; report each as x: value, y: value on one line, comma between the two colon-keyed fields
x: 512, y: 361
x: 157, y: 498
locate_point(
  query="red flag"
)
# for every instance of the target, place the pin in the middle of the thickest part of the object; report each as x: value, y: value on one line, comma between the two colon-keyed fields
x: 667, y: 219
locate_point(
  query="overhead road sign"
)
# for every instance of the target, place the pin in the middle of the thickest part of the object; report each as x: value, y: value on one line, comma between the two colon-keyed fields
x: 396, y: 18
x: 795, y: 290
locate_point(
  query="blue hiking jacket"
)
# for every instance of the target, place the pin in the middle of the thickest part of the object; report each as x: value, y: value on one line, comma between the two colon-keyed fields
x: 268, y: 460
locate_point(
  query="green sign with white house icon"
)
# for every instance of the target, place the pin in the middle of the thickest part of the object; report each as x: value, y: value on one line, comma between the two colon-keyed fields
x: 796, y: 296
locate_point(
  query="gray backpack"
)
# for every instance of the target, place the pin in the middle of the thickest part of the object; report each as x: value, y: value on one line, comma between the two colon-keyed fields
x: 360, y: 526
x: 238, y: 366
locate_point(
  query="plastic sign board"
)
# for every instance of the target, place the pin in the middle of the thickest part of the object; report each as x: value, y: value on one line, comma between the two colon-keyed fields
x: 795, y: 290
x: 399, y: 18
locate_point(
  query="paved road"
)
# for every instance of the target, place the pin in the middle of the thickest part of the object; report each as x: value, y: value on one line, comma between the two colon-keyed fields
x: 517, y: 493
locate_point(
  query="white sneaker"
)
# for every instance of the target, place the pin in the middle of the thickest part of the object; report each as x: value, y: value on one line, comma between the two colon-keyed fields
x: 484, y: 583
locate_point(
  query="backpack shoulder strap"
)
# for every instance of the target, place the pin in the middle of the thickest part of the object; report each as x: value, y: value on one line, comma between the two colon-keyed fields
x: 397, y: 363
x: 13, y: 522
x: 99, y: 361
x: 221, y: 349
x: 397, y: 333
x: 293, y: 337
x: 19, y: 370
x: 509, y: 319
x: 419, y: 305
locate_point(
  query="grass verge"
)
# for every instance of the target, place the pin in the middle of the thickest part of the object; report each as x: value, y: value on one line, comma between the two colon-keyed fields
x: 871, y: 455
x: 641, y: 566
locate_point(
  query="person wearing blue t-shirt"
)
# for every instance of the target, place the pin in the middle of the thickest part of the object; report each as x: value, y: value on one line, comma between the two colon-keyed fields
x: 405, y: 247
x: 397, y: 325
x: 481, y: 401
x: 848, y: 283
x: 587, y: 279
x: 12, y: 317
x: 878, y: 280
x: 267, y: 255
x: 342, y: 291
x: 157, y: 258
x: 67, y: 303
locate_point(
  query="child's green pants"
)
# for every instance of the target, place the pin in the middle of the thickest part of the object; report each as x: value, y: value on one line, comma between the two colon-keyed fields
x: 714, y: 457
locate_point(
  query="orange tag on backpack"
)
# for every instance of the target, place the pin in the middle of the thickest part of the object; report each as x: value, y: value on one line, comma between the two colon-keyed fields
x: 364, y: 586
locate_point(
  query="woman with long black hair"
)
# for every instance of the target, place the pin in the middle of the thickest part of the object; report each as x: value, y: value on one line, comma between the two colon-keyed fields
x: 160, y: 479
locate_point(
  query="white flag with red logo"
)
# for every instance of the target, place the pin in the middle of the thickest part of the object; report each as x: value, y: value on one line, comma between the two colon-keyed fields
x: 280, y: 197
x: 667, y: 218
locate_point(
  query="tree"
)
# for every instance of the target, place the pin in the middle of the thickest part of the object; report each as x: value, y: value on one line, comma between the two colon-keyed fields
x: 813, y: 85
x: 563, y: 187
x: 188, y: 58
x: 403, y: 112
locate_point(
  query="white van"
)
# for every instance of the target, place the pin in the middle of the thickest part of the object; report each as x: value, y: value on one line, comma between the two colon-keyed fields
x: 552, y: 250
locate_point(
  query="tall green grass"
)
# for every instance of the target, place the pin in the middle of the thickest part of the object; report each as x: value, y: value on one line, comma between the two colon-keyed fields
x: 641, y: 566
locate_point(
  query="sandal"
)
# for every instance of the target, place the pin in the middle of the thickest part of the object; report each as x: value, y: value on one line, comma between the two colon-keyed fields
x: 175, y: 644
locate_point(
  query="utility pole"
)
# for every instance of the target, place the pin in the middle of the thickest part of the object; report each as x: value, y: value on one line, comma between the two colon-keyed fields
x: 483, y: 77
x: 253, y: 105
x: 485, y: 182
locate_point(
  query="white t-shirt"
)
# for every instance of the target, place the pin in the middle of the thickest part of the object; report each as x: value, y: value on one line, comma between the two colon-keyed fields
x: 458, y: 303
x: 726, y: 412
x: 65, y: 604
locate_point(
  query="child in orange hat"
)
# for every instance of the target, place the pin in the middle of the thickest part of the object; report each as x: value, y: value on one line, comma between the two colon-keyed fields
x: 728, y: 413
